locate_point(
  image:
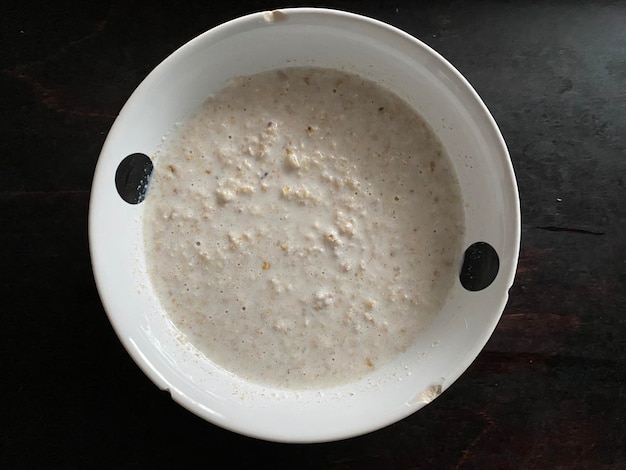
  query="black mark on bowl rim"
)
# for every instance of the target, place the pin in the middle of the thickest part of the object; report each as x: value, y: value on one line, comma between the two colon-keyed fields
x: 480, y: 266
x: 133, y: 177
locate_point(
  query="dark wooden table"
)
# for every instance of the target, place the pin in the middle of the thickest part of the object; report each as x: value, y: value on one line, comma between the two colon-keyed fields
x: 548, y: 390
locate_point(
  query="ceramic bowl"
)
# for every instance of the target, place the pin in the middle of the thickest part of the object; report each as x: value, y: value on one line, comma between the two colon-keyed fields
x: 325, y: 38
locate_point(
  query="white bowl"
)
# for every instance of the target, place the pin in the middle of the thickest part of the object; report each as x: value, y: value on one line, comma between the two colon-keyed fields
x: 327, y: 38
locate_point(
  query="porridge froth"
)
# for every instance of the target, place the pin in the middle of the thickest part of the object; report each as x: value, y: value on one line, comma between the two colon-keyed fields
x: 302, y: 227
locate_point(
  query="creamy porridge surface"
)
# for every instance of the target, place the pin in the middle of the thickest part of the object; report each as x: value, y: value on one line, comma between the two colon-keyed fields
x: 302, y: 227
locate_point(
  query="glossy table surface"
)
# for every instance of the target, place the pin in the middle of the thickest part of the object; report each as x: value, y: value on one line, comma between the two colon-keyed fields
x: 547, y: 391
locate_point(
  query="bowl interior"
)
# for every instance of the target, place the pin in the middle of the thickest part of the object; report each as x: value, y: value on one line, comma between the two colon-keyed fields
x: 311, y: 37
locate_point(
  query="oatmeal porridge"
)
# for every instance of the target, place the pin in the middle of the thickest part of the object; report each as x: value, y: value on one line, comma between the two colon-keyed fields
x: 302, y: 227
